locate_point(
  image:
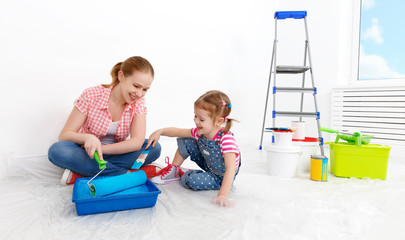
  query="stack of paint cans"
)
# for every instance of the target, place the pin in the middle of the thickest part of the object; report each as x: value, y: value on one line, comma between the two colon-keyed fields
x: 282, y: 157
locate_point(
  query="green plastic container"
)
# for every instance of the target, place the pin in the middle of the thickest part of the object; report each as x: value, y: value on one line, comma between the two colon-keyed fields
x: 348, y: 160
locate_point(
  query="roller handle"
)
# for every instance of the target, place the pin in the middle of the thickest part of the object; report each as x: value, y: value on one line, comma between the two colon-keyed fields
x: 328, y: 130
x: 355, y: 134
x: 101, y: 162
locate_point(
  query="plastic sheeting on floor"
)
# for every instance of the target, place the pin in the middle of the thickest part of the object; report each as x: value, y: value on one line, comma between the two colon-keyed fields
x: 35, y: 206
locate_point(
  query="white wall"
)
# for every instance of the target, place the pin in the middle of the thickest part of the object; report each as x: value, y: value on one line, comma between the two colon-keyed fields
x: 51, y: 51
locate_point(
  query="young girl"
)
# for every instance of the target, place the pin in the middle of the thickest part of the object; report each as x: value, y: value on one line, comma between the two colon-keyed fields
x: 209, y: 145
x: 109, y: 119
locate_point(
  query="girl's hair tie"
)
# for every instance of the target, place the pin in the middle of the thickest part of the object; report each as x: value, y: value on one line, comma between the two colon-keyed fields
x: 224, y: 103
x: 226, y: 118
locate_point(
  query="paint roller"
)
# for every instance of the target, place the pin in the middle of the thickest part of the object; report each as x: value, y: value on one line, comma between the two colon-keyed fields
x: 111, y: 185
x: 352, y: 138
x: 114, y: 184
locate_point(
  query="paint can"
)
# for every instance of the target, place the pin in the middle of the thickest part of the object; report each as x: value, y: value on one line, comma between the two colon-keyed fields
x: 283, y: 138
x: 309, y: 146
x: 299, y: 130
x: 282, y: 161
x: 319, y: 168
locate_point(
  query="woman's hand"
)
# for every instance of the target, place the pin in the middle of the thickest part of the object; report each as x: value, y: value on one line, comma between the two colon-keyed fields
x: 154, y: 138
x: 222, y: 201
x: 92, y: 144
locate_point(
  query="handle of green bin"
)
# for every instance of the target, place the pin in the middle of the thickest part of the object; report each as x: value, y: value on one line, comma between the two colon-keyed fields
x: 101, y: 162
x: 331, y: 131
x: 357, y: 140
x: 328, y: 130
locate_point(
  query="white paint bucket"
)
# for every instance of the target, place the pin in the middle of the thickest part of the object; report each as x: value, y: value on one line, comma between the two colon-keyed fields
x: 283, y: 138
x: 299, y: 127
x: 309, y: 146
x: 282, y: 162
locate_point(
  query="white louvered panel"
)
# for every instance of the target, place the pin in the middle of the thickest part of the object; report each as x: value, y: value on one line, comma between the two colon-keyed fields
x: 372, y: 111
x: 368, y: 105
x: 371, y: 114
x: 376, y: 120
x: 374, y: 99
x: 375, y: 93
x: 359, y: 124
x: 380, y: 110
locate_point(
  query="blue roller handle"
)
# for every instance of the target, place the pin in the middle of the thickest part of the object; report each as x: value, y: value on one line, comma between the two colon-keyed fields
x: 290, y: 14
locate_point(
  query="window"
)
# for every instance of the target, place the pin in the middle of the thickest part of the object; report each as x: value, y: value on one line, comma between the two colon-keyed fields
x: 382, y: 40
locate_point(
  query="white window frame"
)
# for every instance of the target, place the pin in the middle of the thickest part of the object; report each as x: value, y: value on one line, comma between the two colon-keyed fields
x: 354, y: 81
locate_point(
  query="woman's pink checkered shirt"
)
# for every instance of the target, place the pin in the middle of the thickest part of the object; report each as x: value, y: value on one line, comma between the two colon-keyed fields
x: 93, y: 103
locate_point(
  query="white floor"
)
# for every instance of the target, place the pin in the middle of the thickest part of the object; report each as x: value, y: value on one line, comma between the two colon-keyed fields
x: 35, y: 206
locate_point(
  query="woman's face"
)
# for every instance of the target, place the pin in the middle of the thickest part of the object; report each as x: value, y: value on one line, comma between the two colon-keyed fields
x: 135, y: 86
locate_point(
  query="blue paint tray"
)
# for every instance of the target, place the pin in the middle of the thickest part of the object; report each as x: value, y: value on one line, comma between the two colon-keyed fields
x: 139, y: 197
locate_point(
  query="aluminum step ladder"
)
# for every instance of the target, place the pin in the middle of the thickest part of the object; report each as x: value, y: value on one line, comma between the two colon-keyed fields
x: 284, y: 69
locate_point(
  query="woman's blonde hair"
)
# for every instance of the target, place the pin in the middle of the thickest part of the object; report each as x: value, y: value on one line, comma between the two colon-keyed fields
x: 128, y: 67
x: 218, y: 105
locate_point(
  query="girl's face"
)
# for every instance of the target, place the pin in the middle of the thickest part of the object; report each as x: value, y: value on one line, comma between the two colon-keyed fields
x: 205, y: 124
x: 135, y: 86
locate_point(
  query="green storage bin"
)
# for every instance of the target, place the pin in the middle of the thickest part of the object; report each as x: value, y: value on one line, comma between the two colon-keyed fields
x: 347, y: 160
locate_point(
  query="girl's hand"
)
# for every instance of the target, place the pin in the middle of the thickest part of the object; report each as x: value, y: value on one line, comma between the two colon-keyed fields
x: 92, y: 144
x: 154, y: 138
x: 222, y: 201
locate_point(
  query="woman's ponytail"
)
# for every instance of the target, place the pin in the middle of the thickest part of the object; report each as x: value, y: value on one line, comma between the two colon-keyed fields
x: 114, y: 75
x: 128, y: 67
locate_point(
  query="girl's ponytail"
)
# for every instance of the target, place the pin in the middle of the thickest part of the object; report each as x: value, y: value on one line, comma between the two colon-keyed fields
x: 228, y: 124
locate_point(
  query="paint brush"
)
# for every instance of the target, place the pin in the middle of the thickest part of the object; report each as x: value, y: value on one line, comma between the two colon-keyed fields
x: 141, y: 160
x: 294, y: 129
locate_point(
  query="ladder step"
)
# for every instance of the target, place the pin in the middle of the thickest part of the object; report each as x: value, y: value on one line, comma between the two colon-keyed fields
x: 290, y: 14
x: 291, y: 69
x: 295, y: 114
x: 292, y: 89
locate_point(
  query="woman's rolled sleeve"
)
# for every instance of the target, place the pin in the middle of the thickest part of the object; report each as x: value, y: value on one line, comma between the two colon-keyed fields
x: 140, y: 107
x: 82, y: 103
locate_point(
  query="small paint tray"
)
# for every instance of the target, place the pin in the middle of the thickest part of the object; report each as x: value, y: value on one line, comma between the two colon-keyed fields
x: 86, y: 204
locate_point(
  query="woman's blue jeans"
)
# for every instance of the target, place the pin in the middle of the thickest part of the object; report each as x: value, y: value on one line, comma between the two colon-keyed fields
x: 70, y: 155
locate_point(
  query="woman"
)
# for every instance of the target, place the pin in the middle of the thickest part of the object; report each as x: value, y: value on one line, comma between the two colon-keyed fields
x: 109, y: 119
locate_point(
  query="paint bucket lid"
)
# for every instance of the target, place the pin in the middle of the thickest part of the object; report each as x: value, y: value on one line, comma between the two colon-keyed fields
x: 289, y: 149
x: 306, y: 139
x: 318, y: 157
x: 284, y: 131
